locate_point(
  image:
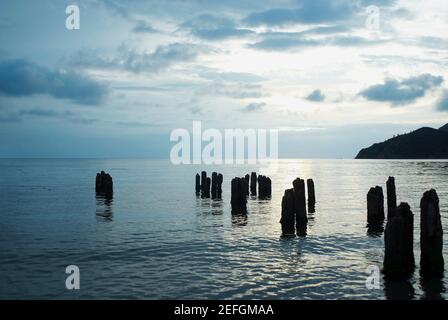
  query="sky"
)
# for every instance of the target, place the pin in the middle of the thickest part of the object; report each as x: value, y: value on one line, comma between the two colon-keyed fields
x: 332, y: 76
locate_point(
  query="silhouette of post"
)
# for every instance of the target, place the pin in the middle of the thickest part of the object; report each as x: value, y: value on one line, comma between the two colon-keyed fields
x: 253, y: 184
x: 219, y: 186
x: 288, y: 213
x: 207, y: 187
x: 247, y: 182
x: 198, y: 183
x: 214, y: 190
x: 264, y: 187
x: 238, y: 196
x: 300, y: 205
x: 391, y: 196
x: 375, y: 205
x: 431, y: 236
x: 104, y: 184
x: 203, y: 182
x: 399, y: 243
x: 311, y: 195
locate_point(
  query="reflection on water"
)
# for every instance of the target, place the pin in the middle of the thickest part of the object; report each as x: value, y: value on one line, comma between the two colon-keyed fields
x: 239, y: 220
x: 104, y: 207
x: 375, y: 229
x: 398, y: 289
x: 432, y: 288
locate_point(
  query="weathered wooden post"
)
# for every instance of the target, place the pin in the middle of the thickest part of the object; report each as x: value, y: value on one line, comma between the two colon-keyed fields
x: 238, y: 196
x: 203, y: 182
x: 264, y: 187
x: 207, y: 187
x: 311, y: 195
x: 431, y: 236
x: 399, y: 243
x: 253, y: 184
x: 198, y: 183
x: 375, y: 205
x: 288, y: 213
x: 214, y: 190
x: 104, y: 184
x: 391, y: 196
x: 219, y: 186
x: 300, y: 205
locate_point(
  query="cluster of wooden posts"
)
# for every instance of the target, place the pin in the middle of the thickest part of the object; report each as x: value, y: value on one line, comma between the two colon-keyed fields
x: 294, y: 217
x: 104, y: 184
x: 399, y: 232
x: 206, y: 187
x: 242, y: 187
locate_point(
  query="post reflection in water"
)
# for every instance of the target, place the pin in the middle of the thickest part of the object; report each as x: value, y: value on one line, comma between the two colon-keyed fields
x: 375, y: 230
x: 398, y: 289
x: 239, y: 220
x: 432, y: 288
x: 104, y: 204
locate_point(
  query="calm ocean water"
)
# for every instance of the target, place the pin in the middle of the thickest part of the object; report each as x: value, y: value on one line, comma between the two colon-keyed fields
x: 157, y: 240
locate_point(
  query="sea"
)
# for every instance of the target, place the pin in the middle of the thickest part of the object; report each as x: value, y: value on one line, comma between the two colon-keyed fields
x: 156, y: 239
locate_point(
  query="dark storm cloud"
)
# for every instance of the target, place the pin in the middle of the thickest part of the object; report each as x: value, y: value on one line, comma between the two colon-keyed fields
x: 19, y: 78
x: 402, y: 92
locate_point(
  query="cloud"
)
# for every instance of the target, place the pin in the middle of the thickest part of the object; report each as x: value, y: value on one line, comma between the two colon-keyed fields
x: 442, y: 104
x: 143, y: 27
x: 402, y: 92
x: 253, y: 107
x: 131, y: 60
x: 308, y: 12
x: 19, y: 78
x: 209, y: 27
x: 316, y: 96
x: 280, y: 41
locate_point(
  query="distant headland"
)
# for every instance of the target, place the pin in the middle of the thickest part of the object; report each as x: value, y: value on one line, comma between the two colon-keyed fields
x: 423, y: 143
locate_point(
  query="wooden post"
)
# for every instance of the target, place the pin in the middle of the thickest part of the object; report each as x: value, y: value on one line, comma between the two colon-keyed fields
x: 203, y: 183
x: 238, y: 196
x: 399, y: 243
x: 104, y: 184
x: 288, y: 213
x: 198, y: 183
x: 214, y: 190
x: 391, y: 196
x: 247, y: 182
x: 375, y: 205
x: 219, y: 186
x: 311, y: 195
x: 207, y: 187
x: 300, y: 205
x: 431, y: 236
x: 253, y: 184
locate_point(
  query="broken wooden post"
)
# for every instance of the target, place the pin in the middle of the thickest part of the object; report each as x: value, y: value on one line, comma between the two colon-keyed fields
x: 214, y: 185
x: 375, y: 205
x: 104, y: 184
x: 300, y: 205
x: 219, y: 186
x: 311, y: 195
x: 198, y: 184
x: 288, y: 213
x: 203, y: 182
x: 247, y: 180
x: 207, y: 187
x: 391, y: 196
x: 431, y: 236
x: 264, y: 187
x: 238, y: 196
x: 399, y: 243
x: 253, y: 184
